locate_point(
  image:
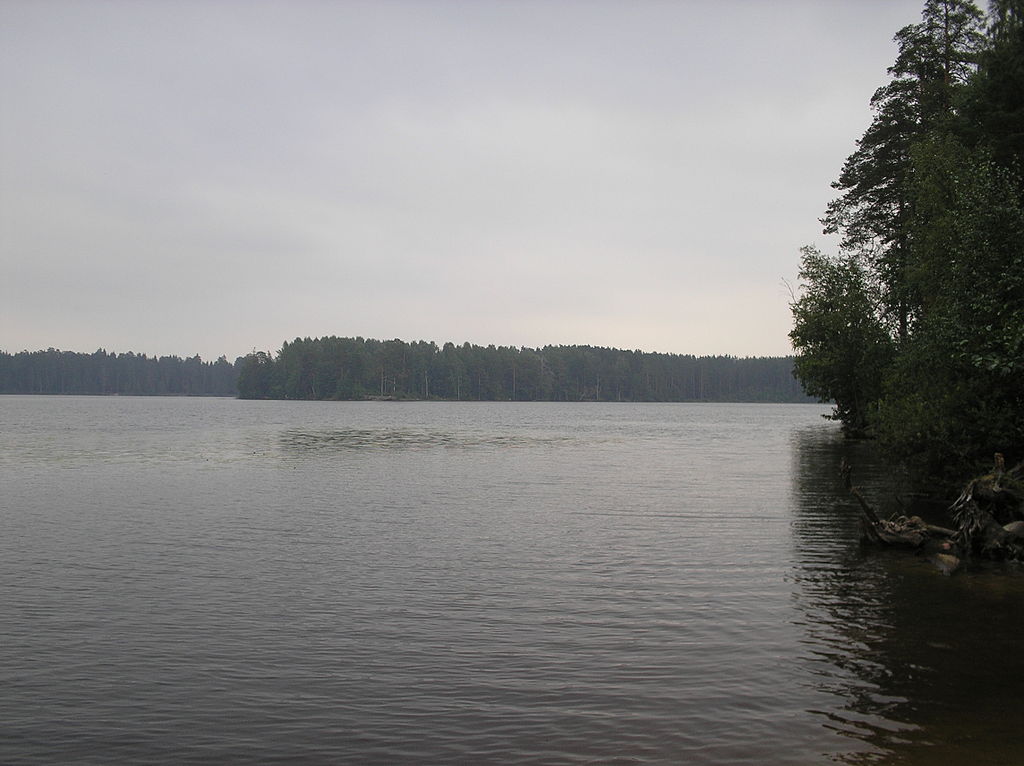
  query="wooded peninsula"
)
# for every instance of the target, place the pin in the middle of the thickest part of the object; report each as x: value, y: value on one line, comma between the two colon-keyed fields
x: 356, y: 368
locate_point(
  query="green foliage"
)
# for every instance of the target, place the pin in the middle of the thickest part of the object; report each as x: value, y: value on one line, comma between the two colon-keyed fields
x: 994, y: 103
x: 933, y: 207
x: 955, y: 395
x: 354, y: 368
x: 842, y: 347
x: 257, y: 378
x: 942, y: 417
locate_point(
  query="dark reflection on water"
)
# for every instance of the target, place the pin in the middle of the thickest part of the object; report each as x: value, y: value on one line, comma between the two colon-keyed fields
x: 928, y: 668
x: 302, y: 441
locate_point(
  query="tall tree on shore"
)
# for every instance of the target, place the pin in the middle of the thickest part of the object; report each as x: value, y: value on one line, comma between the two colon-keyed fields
x: 872, y: 214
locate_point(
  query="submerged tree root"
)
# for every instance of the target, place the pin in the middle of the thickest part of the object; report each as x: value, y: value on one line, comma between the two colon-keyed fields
x: 988, y: 515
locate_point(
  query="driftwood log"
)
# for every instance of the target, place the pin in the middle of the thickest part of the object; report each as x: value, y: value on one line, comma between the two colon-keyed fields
x: 900, y: 531
x: 988, y: 518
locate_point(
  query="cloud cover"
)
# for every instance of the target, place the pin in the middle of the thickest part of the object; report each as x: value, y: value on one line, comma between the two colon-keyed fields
x: 213, y: 177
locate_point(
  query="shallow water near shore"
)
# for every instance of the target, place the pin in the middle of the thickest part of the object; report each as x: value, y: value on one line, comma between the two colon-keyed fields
x: 221, y: 581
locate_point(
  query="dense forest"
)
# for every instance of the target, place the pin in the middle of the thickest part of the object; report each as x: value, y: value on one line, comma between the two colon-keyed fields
x: 915, y: 328
x: 68, y: 372
x: 354, y: 368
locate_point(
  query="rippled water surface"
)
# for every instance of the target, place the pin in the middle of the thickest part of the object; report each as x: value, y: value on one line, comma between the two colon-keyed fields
x: 219, y: 581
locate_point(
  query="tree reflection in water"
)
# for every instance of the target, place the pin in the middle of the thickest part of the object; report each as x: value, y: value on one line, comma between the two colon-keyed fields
x: 919, y: 667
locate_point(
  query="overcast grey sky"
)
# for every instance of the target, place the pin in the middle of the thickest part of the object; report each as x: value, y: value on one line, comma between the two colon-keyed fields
x: 220, y: 175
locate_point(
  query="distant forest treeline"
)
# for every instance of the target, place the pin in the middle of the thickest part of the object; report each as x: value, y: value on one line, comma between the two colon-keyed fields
x: 355, y: 368
x: 69, y: 372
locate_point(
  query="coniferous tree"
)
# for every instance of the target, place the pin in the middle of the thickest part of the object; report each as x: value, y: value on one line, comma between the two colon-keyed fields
x: 873, y: 213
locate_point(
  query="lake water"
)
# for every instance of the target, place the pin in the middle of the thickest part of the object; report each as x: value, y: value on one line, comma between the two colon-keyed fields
x: 222, y: 581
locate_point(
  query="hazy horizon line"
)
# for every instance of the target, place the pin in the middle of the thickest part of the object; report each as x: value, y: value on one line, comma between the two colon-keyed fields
x: 107, y: 350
